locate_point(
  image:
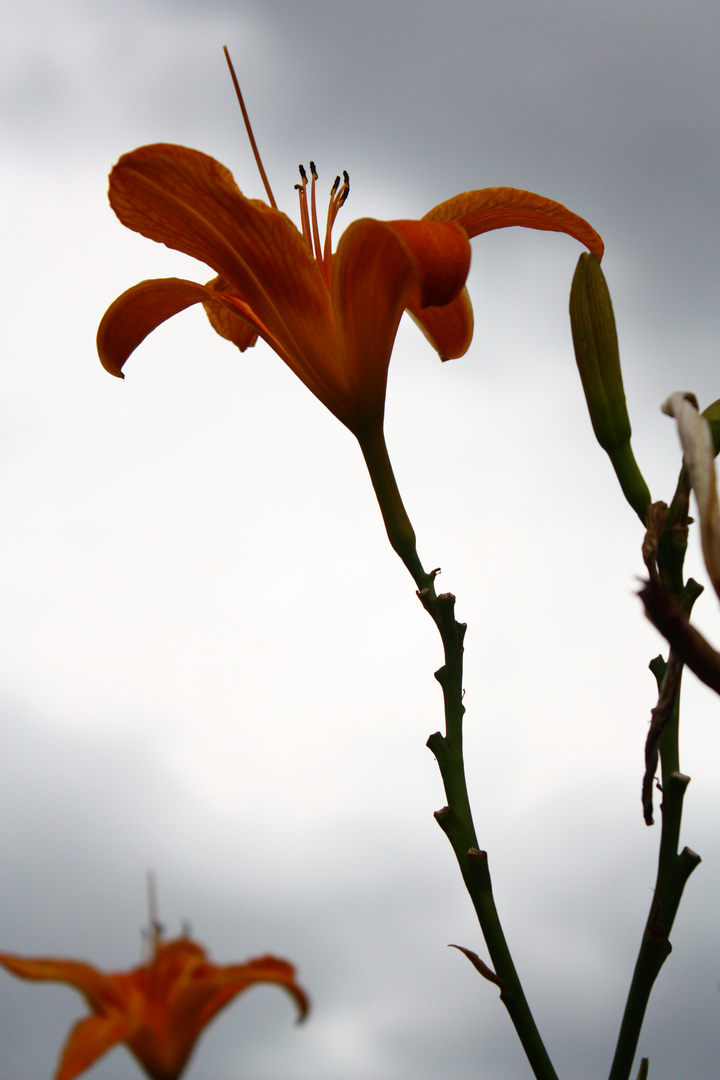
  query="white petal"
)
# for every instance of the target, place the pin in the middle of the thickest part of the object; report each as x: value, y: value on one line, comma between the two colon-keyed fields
x: 699, y: 453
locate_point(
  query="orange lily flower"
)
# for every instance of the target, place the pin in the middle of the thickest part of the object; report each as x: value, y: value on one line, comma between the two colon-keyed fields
x: 332, y: 317
x: 158, y: 1009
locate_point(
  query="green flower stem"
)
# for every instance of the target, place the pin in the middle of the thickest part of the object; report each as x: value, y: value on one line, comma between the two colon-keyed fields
x: 631, y: 479
x: 673, y: 872
x: 456, y: 818
x: 397, y: 524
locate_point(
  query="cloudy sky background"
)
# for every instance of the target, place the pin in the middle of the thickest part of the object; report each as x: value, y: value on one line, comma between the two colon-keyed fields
x: 213, y: 664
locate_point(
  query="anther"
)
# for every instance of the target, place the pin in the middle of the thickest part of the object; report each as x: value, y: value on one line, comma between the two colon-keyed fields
x: 313, y: 170
x: 303, y: 173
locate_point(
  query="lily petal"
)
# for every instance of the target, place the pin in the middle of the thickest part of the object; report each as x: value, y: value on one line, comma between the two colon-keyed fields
x: 190, y: 202
x: 377, y: 269
x: 138, y: 311
x: 91, y: 983
x: 231, y: 981
x: 438, y: 256
x: 449, y: 329
x: 498, y: 208
x: 88, y: 1041
x: 225, y: 322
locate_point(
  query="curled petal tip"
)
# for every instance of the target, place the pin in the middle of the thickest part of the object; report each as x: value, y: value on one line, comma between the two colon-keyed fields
x: 138, y: 311
x: 498, y: 208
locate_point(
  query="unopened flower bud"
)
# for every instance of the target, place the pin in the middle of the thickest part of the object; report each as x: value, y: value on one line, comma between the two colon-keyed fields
x: 598, y: 361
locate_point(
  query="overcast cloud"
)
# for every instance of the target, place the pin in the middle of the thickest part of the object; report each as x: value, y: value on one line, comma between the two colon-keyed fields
x: 214, y: 665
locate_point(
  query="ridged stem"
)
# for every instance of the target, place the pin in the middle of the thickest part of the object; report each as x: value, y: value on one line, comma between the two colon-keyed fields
x: 456, y: 818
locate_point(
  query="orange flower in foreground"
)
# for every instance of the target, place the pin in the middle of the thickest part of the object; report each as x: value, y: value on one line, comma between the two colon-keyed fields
x: 158, y: 1009
x: 332, y: 317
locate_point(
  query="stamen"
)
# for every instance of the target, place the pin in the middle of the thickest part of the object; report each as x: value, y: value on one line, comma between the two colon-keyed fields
x: 249, y: 130
x: 304, y: 219
x: 338, y: 195
x: 315, y: 230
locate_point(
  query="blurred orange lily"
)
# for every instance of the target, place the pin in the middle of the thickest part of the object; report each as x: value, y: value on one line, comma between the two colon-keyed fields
x: 158, y: 1009
x: 332, y: 317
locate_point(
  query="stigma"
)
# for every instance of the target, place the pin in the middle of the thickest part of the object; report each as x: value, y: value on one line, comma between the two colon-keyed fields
x: 308, y: 215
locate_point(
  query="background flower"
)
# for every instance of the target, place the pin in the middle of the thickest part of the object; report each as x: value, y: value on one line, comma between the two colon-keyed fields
x: 158, y: 1009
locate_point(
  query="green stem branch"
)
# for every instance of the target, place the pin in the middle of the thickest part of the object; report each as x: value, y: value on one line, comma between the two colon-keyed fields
x: 674, y: 869
x: 455, y: 819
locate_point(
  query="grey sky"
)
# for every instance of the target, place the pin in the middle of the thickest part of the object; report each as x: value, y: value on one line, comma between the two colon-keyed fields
x: 213, y: 664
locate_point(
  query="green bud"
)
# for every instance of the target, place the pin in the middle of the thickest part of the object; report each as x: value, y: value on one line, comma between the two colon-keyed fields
x: 712, y: 415
x: 598, y: 361
x: 597, y: 354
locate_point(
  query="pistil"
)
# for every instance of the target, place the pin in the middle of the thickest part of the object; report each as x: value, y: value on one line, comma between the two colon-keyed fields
x: 249, y: 130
